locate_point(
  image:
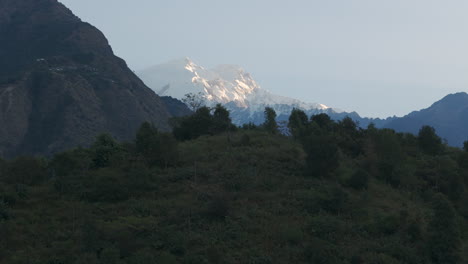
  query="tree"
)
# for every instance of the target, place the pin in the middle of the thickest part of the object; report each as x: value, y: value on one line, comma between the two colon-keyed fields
x: 428, y: 141
x: 191, y: 127
x: 194, y: 101
x: 270, y: 120
x: 147, y: 142
x: 202, y: 122
x: 348, y: 137
x: 104, y: 150
x: 444, y: 233
x: 222, y: 120
x: 347, y: 125
x: 465, y: 146
x: 298, y: 121
x: 323, y: 121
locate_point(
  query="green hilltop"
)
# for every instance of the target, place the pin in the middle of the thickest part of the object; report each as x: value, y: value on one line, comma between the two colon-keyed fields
x: 213, y: 193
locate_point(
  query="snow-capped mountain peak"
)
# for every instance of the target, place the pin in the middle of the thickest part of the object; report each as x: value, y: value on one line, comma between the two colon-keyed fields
x: 226, y: 84
x: 223, y: 84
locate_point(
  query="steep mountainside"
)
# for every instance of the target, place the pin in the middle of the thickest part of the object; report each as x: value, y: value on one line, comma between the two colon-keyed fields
x: 449, y: 117
x: 61, y: 84
x: 176, y: 107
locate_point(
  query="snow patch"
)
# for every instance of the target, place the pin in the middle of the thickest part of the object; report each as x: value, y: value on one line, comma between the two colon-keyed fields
x: 226, y: 84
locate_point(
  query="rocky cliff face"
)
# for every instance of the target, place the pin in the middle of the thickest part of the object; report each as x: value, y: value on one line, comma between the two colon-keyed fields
x: 61, y: 84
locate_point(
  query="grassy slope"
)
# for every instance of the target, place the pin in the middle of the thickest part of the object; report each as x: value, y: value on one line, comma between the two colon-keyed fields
x: 239, y: 198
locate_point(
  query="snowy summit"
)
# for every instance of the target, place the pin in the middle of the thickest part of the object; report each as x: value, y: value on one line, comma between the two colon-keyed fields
x: 230, y: 85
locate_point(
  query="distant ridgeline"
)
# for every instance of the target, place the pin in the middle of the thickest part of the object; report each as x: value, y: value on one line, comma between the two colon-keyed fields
x: 236, y: 89
x: 210, y: 192
x: 449, y: 117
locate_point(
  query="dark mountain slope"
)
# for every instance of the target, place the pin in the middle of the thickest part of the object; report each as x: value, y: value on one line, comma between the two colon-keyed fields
x: 448, y: 116
x: 175, y: 106
x: 61, y: 84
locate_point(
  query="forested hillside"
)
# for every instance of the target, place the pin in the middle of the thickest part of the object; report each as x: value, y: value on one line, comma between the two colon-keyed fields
x: 213, y: 193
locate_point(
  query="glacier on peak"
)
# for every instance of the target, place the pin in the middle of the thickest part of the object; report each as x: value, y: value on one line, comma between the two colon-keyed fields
x: 227, y: 84
x: 222, y: 84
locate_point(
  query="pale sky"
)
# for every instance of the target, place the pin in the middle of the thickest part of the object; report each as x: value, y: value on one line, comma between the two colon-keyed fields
x: 377, y: 57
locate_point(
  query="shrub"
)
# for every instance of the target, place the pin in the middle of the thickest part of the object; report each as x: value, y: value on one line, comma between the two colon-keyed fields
x: 444, y: 234
x: 158, y: 149
x: 110, y: 255
x: 328, y: 228
x: 87, y: 259
x: 331, y: 199
x: 387, y: 225
x: 322, y: 252
x: 4, y: 211
x: 107, y: 185
x: 291, y: 234
x: 26, y: 170
x: 322, y: 155
x: 105, y: 150
x: 143, y: 257
x: 217, y: 209
x: 359, y: 180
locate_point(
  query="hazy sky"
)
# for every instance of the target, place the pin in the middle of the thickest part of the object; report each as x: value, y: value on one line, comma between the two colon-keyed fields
x: 377, y: 57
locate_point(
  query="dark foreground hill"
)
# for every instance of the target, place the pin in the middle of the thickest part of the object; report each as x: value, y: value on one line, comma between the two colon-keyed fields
x: 449, y: 117
x: 61, y: 84
x: 332, y: 194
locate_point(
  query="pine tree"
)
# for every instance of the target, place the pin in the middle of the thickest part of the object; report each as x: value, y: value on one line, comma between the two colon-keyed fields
x: 298, y: 122
x: 221, y: 119
x: 429, y: 141
x: 270, y: 124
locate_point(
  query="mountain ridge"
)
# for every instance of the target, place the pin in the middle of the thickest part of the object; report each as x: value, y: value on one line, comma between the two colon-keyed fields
x: 246, y: 100
x: 449, y: 116
x: 61, y: 84
x: 179, y: 77
x: 227, y: 84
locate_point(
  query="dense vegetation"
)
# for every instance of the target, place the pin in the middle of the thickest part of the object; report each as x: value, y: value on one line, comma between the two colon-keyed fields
x: 213, y: 193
